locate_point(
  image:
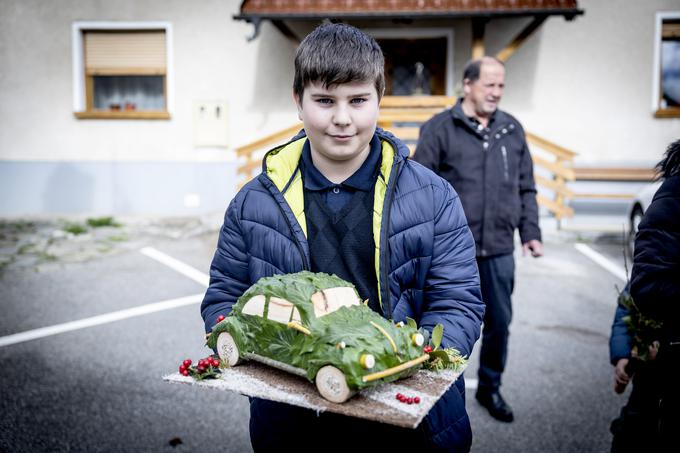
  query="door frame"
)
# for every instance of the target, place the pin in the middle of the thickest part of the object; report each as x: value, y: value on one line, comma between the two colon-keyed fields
x: 416, y: 33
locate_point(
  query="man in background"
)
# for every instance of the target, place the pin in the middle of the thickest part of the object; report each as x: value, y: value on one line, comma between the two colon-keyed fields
x: 482, y: 152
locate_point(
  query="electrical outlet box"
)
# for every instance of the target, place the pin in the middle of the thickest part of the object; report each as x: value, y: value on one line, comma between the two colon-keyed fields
x: 211, y: 124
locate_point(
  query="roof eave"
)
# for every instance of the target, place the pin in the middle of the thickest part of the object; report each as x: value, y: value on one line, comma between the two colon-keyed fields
x: 568, y: 14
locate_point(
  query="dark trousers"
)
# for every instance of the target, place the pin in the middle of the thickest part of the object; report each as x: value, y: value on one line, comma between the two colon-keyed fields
x: 497, y: 280
x: 637, y: 428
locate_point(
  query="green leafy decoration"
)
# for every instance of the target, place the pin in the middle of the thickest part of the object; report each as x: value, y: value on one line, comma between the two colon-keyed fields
x: 411, y: 322
x: 437, y: 335
x: 643, y: 330
x: 353, y: 327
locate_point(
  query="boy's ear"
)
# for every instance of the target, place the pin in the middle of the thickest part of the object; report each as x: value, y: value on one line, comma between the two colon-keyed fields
x: 298, y: 104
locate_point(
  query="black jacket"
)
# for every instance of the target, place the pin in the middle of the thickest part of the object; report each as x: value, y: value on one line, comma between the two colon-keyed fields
x: 655, y: 280
x: 492, y: 171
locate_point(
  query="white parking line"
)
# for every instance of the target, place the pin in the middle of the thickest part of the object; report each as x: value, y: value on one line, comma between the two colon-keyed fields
x: 603, y: 262
x: 177, y: 265
x: 169, y: 261
x: 101, y: 319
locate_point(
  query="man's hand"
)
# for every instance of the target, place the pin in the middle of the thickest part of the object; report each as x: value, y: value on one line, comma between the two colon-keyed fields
x: 534, y: 246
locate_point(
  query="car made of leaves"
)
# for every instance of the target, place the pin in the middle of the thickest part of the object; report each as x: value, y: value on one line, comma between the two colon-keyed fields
x: 315, y: 325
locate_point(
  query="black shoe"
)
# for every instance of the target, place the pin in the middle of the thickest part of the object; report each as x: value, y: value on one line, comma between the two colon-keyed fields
x: 495, y: 404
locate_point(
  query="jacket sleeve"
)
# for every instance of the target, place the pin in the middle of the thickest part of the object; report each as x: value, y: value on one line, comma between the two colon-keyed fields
x: 452, y: 291
x: 528, y: 222
x: 229, y: 268
x: 428, y: 152
x: 619, y: 340
x: 655, y: 285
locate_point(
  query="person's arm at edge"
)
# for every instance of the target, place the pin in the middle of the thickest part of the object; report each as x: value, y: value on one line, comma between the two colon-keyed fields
x: 229, y: 268
x: 654, y: 281
x: 529, y: 230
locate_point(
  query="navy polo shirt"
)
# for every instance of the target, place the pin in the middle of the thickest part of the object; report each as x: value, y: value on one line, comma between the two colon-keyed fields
x: 336, y: 196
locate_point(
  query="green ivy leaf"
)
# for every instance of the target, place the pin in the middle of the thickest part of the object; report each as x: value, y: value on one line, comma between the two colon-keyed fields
x: 411, y: 322
x: 437, y: 335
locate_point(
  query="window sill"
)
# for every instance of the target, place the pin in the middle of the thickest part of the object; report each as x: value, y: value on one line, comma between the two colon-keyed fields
x: 670, y: 112
x: 123, y: 115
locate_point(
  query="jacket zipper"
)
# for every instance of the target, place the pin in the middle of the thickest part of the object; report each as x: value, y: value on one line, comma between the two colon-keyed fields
x: 505, y: 163
x: 385, y: 249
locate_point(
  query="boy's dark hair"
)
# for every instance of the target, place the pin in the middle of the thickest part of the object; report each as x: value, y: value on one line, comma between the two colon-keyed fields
x: 670, y: 164
x: 474, y: 67
x: 338, y: 53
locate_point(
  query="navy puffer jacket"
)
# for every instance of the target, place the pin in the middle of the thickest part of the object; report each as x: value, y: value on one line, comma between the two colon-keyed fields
x: 425, y: 253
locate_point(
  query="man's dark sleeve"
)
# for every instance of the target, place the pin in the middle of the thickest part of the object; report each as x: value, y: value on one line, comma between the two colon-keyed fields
x: 429, y: 148
x: 528, y: 223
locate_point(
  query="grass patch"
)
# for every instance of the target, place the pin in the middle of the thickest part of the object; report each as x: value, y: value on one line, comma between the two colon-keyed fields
x: 98, y: 222
x: 75, y: 228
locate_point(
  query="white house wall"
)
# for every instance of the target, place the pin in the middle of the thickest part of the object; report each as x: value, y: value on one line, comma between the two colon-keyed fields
x: 52, y: 162
x: 585, y: 84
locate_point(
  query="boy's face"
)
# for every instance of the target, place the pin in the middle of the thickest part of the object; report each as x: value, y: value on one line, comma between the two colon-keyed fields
x: 339, y: 121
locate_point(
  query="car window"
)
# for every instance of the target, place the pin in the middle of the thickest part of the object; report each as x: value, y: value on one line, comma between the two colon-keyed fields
x: 280, y: 310
x: 254, y: 306
x: 331, y: 299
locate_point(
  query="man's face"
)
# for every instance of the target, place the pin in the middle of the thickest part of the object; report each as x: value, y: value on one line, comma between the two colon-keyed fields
x: 485, y: 93
x: 339, y: 121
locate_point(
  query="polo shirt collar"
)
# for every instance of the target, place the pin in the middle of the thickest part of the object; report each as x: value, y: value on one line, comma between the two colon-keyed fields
x: 362, y: 179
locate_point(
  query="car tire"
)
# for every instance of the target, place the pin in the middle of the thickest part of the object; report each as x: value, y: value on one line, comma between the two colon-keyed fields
x: 635, y: 219
x: 332, y: 384
x: 227, y: 349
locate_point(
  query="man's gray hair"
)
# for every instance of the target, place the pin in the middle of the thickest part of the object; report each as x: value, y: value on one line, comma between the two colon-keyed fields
x: 338, y: 53
x: 474, y: 67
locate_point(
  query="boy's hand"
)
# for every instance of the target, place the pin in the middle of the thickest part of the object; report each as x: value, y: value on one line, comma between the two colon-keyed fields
x: 621, y: 378
x: 534, y: 246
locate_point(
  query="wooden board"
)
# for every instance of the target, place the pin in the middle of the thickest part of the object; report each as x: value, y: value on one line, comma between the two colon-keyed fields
x: 377, y: 403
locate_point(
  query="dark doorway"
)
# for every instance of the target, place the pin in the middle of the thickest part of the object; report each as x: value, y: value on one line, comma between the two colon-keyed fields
x: 414, y: 66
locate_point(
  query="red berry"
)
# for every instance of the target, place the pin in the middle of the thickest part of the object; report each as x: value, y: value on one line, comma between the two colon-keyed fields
x: 416, y: 400
x: 187, y: 363
x: 200, y: 368
x: 427, y: 349
x: 185, y: 373
x: 216, y: 362
x: 202, y: 363
x: 220, y: 318
x: 182, y: 368
x: 409, y: 400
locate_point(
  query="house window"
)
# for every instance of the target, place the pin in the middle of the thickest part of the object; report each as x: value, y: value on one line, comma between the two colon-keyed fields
x: 668, y: 57
x: 124, y: 73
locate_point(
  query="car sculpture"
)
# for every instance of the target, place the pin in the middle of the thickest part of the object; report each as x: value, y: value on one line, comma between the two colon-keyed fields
x: 315, y: 325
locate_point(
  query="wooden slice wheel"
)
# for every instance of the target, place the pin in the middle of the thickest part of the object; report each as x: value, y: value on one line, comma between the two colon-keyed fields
x: 227, y: 349
x: 332, y: 384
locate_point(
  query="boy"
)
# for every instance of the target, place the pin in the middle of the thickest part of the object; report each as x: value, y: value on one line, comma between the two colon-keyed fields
x: 342, y: 197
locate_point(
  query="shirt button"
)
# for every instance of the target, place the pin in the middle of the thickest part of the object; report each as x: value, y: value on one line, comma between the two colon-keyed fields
x: 480, y: 127
x: 498, y: 135
x: 336, y: 190
x: 486, y: 145
x: 486, y: 137
x: 505, y: 131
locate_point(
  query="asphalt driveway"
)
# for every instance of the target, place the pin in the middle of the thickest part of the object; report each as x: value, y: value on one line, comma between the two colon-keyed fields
x: 96, y: 385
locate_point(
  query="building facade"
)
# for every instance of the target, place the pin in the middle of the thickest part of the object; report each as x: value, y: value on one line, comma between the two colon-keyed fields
x: 84, y: 130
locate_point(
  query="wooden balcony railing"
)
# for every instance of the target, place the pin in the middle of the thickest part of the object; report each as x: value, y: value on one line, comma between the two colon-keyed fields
x: 403, y: 115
